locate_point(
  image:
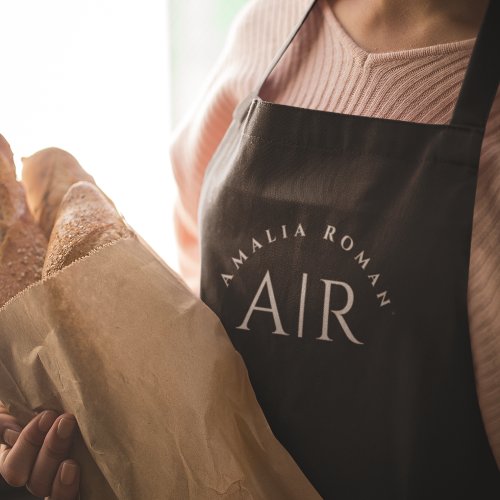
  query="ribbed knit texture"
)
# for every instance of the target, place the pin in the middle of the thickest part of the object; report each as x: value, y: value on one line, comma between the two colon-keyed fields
x: 325, y: 69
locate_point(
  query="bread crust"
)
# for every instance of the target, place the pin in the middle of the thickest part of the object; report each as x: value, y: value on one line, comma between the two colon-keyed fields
x: 22, y: 243
x: 86, y: 220
x: 67, y: 204
x: 7, y: 152
x: 47, y: 175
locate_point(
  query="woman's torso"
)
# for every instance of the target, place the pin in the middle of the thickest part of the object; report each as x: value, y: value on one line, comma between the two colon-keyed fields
x: 324, y: 69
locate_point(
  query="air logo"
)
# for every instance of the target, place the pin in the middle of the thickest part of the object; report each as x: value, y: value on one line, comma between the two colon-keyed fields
x: 332, y: 290
x: 267, y: 286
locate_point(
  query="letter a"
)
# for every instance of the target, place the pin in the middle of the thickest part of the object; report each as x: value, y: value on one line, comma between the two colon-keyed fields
x: 338, y: 314
x: 266, y: 282
x: 227, y: 279
x: 300, y: 230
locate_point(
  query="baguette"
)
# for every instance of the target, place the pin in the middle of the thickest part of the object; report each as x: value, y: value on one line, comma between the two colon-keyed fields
x: 22, y: 243
x: 7, y: 152
x: 47, y: 175
x: 86, y: 220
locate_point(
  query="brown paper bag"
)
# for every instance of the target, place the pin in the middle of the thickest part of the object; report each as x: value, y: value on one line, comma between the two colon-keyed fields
x: 163, y: 400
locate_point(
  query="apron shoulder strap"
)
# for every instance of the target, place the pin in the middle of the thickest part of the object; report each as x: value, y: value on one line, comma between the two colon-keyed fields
x: 240, y: 111
x: 483, y: 73
x: 284, y: 47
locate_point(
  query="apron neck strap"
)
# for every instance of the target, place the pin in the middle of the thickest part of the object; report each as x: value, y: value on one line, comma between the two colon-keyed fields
x: 478, y: 88
x: 483, y: 73
x: 241, y: 110
x: 283, y: 49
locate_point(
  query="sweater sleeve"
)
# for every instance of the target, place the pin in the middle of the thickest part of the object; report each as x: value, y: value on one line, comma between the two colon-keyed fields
x: 484, y: 281
x: 255, y: 36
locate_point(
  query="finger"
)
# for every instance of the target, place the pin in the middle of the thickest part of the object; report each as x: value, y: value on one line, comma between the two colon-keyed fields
x: 66, y: 483
x: 9, y: 428
x: 54, y: 450
x: 4, y: 451
x: 17, y: 464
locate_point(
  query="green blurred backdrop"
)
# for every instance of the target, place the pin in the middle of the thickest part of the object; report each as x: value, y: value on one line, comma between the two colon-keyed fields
x: 198, y: 30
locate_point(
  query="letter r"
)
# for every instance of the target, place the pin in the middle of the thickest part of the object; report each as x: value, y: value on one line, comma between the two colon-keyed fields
x: 340, y: 313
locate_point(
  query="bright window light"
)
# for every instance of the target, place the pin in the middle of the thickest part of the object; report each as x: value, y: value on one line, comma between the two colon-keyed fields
x: 91, y: 77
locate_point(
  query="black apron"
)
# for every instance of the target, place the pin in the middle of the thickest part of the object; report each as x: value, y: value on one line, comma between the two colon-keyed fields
x: 335, y: 250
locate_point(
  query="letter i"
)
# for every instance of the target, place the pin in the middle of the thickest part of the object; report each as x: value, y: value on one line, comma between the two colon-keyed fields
x: 283, y: 228
x: 302, y: 304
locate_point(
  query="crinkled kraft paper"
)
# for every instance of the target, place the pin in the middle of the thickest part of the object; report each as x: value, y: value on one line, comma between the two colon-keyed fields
x: 163, y: 400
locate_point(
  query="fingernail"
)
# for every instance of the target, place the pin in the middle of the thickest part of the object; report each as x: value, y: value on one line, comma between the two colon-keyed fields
x: 46, y: 421
x: 65, y: 427
x: 68, y: 473
x: 10, y: 436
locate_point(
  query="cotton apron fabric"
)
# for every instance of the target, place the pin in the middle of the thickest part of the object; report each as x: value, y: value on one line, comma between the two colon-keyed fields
x: 335, y: 250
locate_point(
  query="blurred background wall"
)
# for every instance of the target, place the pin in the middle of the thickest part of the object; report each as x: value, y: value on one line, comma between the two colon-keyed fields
x: 107, y: 80
x: 198, y: 30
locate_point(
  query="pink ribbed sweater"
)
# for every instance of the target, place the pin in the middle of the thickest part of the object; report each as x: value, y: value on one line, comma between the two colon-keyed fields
x: 325, y: 69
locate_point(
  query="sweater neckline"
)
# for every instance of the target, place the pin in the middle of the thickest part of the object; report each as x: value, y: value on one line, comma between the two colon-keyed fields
x: 408, y: 54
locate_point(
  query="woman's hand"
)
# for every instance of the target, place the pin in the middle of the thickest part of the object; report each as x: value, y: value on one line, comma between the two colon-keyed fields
x: 37, y: 456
